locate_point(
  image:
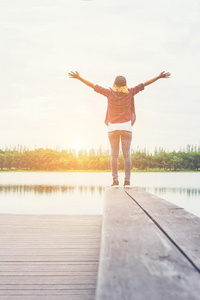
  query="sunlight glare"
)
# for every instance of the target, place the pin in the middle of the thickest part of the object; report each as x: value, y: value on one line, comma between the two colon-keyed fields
x: 78, y: 145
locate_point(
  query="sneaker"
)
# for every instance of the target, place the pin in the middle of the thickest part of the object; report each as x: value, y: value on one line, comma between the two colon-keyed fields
x: 115, y: 183
x: 127, y: 184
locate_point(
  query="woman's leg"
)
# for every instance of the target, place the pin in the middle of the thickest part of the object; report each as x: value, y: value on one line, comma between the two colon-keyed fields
x: 114, y: 138
x: 126, y: 137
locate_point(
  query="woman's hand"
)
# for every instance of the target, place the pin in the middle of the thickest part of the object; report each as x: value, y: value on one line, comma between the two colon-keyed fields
x: 77, y: 76
x: 164, y: 74
x: 74, y: 75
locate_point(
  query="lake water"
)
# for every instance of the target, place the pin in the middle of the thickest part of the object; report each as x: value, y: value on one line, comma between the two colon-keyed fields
x: 83, y: 193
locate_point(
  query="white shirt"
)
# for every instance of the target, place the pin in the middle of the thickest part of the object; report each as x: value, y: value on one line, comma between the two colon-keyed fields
x: 119, y: 126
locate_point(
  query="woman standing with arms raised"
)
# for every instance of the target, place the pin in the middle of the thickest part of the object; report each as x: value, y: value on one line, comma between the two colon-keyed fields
x: 120, y: 118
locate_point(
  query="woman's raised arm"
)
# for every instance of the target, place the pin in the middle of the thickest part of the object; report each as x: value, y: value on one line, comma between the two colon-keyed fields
x: 162, y: 75
x: 77, y: 76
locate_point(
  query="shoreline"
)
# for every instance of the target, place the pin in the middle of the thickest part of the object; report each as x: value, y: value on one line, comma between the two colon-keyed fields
x: 100, y: 171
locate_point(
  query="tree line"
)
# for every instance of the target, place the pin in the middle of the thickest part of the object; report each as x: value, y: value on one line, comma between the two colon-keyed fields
x: 53, y: 160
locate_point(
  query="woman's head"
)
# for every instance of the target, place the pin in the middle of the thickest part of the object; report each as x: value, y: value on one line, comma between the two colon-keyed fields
x: 120, y: 81
x: 120, y: 85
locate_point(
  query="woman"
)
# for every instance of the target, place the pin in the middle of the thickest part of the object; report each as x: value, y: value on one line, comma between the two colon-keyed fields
x: 120, y: 118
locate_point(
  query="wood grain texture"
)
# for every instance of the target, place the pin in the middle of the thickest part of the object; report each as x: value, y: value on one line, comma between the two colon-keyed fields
x: 182, y: 226
x: 49, y: 257
x: 137, y: 260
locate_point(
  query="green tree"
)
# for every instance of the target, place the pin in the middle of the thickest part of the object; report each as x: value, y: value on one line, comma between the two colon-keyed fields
x: 8, y: 160
x: 1, y: 161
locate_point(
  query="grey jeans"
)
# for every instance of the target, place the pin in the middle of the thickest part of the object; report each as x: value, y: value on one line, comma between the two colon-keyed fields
x: 114, y: 138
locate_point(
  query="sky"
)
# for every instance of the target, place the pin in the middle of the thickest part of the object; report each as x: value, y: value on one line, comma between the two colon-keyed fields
x: 43, y: 40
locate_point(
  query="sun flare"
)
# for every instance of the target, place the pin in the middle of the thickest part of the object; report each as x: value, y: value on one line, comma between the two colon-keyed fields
x: 78, y: 145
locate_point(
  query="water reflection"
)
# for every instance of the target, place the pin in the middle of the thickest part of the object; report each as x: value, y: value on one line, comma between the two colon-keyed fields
x: 187, y: 198
x: 49, y: 189
x: 84, y: 193
x: 83, y: 189
x: 180, y: 191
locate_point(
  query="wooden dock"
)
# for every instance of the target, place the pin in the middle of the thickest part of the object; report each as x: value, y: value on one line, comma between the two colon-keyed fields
x: 150, y: 249
x: 49, y: 257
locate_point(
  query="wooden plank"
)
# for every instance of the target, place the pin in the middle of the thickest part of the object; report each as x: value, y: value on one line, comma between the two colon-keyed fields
x: 76, y: 240
x: 48, y: 287
x: 47, y: 268
x: 49, y: 217
x: 49, y: 257
x: 137, y: 259
x: 49, y: 297
x: 47, y: 280
x: 53, y: 292
x: 57, y: 263
x: 43, y: 273
x: 70, y: 232
x: 55, y: 251
x: 52, y: 246
x: 182, y: 226
x: 46, y: 220
x: 44, y: 239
